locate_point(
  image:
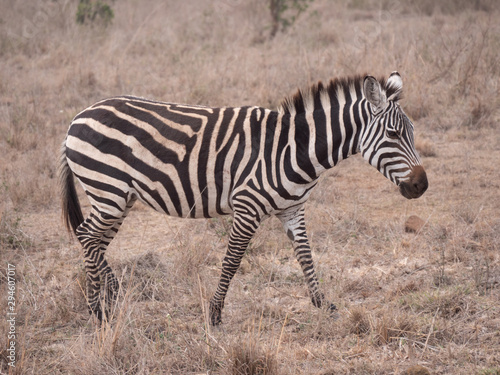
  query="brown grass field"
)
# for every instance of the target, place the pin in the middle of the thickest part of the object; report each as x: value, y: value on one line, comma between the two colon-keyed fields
x: 430, y: 298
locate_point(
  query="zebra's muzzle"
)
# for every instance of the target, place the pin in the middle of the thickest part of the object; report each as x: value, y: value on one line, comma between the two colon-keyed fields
x: 416, y: 185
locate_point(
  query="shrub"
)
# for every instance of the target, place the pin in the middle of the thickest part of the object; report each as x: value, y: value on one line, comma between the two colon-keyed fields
x: 94, y: 11
x: 285, y: 12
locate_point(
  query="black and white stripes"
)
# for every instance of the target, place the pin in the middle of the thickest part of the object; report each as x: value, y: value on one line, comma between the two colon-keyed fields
x: 249, y: 162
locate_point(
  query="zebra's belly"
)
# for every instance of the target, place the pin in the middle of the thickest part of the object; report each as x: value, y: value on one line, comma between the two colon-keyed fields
x: 181, y: 202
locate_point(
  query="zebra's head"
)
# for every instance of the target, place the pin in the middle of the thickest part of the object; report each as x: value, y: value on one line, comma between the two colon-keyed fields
x: 387, y: 141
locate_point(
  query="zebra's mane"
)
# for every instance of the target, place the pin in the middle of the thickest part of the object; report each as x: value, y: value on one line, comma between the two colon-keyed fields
x: 298, y: 102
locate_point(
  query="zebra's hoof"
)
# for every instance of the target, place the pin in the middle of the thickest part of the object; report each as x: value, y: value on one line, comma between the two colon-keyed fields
x: 215, y: 319
x: 332, y: 310
x: 99, y: 313
x: 215, y: 314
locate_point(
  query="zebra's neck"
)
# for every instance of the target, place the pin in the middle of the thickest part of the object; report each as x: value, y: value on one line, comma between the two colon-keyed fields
x: 322, y: 137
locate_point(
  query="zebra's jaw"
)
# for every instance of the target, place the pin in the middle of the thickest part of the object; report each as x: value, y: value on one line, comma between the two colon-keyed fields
x: 415, y: 185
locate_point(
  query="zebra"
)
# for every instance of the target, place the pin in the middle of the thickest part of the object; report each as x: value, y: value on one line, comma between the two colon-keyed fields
x: 249, y: 162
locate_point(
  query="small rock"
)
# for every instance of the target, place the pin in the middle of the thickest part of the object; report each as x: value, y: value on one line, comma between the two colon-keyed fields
x: 417, y: 370
x: 414, y: 224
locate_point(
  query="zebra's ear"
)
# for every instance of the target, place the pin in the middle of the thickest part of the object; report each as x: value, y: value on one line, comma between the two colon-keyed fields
x: 394, y: 87
x: 374, y: 93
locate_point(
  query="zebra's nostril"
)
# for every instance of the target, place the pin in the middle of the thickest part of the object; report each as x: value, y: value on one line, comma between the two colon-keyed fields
x: 420, y: 186
x: 419, y: 181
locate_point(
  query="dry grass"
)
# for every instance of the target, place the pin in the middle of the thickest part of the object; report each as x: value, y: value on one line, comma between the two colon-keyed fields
x: 404, y: 299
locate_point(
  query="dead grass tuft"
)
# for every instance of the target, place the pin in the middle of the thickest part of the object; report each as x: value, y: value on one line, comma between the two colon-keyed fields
x: 12, y: 236
x: 418, y: 109
x: 481, y: 114
x: 446, y: 302
x: 197, y: 251
x: 361, y: 287
x: 358, y: 321
x: 416, y: 370
x: 468, y: 213
x: 149, y: 275
x: 391, y: 328
x: 247, y: 357
x: 407, y: 287
x: 425, y: 147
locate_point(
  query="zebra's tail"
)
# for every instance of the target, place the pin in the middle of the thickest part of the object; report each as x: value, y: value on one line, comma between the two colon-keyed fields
x: 71, y: 211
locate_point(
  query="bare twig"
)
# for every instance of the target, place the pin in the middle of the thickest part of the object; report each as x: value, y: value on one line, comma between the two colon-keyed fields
x: 205, y: 315
x: 281, y: 335
x: 430, y: 331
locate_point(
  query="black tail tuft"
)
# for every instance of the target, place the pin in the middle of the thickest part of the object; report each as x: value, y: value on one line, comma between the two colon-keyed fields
x: 71, y: 211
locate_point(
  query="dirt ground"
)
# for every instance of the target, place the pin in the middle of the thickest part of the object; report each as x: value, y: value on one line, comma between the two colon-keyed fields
x: 429, y: 298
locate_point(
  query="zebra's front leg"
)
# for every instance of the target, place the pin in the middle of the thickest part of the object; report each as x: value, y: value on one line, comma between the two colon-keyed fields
x: 295, y: 228
x: 242, y: 231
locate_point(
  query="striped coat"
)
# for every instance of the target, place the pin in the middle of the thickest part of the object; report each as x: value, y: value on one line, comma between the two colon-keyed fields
x: 249, y: 162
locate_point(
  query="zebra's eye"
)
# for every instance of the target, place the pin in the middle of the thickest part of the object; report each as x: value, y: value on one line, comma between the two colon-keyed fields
x: 392, y: 134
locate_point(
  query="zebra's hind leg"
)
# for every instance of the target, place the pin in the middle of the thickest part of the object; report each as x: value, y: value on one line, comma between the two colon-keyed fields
x: 295, y: 228
x: 94, y: 234
x: 242, y: 231
x: 111, y: 284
